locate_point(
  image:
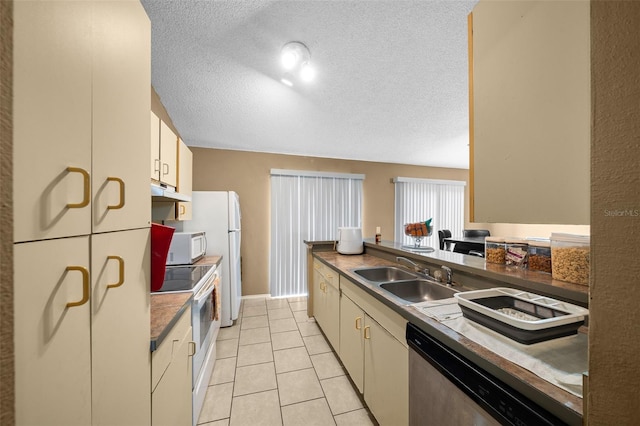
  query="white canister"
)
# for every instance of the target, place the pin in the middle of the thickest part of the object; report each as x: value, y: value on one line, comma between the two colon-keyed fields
x: 350, y: 241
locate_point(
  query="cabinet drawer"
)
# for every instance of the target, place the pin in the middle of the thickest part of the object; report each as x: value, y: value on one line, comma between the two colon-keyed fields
x: 161, y: 357
x: 326, y: 273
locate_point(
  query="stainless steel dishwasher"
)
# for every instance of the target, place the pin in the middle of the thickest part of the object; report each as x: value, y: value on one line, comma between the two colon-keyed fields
x: 447, y: 389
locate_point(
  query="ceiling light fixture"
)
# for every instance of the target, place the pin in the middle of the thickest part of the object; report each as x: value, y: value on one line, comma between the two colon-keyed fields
x: 296, y: 60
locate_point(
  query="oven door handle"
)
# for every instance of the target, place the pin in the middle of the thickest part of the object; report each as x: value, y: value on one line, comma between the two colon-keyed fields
x: 207, y: 289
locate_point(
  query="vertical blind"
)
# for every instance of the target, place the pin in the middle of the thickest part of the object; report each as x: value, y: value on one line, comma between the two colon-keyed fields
x: 307, y: 206
x: 417, y: 200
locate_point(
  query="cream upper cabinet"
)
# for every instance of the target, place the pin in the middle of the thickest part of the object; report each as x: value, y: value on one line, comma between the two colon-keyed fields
x: 185, y: 180
x: 155, y: 147
x: 53, y: 333
x: 81, y: 95
x: 52, y: 85
x: 530, y: 111
x: 121, y: 102
x: 168, y: 156
x: 120, y: 318
x: 164, y: 153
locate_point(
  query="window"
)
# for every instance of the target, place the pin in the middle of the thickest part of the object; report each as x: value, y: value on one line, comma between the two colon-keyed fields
x: 307, y: 206
x: 417, y: 200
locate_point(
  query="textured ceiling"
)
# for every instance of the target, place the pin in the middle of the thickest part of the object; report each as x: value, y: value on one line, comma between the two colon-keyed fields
x: 391, y: 84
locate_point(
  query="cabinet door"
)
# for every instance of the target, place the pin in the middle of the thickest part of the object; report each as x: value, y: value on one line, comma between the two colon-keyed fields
x: 185, y: 179
x: 168, y: 155
x: 351, y: 340
x: 155, y: 147
x: 319, y: 299
x: 121, y: 104
x: 52, y: 339
x: 331, y: 327
x: 531, y: 112
x: 386, y: 375
x: 171, y: 399
x: 51, y: 119
x: 120, y: 306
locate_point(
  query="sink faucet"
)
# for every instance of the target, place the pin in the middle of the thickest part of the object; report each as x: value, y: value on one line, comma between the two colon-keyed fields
x: 449, y: 274
x: 415, y: 266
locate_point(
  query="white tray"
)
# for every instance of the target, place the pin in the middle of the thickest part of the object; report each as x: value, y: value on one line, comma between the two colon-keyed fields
x: 572, y: 313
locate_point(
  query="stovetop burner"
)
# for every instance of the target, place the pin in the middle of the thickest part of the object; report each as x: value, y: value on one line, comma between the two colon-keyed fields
x: 183, y: 277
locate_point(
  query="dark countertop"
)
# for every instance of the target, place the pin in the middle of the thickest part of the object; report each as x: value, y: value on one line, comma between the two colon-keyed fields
x: 556, y: 400
x: 167, y: 308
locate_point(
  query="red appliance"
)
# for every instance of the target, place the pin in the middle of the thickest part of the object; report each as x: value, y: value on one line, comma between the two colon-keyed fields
x: 160, y: 242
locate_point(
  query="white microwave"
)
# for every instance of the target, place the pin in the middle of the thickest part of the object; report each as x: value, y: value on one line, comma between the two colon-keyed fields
x: 186, y: 248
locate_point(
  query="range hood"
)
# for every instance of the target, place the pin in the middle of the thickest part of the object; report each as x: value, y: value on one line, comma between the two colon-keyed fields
x: 161, y: 193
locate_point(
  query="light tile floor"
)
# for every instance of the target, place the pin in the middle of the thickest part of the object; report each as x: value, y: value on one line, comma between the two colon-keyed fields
x: 274, y: 367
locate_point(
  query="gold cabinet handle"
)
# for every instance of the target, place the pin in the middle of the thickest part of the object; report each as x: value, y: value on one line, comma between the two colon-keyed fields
x: 121, y: 183
x: 367, y: 332
x: 156, y: 165
x: 165, y: 166
x: 192, y: 348
x: 85, y: 285
x: 183, y: 209
x: 358, y: 323
x: 120, y: 271
x: 86, y: 191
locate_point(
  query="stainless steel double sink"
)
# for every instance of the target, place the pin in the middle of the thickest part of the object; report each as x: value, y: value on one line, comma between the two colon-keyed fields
x: 403, y: 285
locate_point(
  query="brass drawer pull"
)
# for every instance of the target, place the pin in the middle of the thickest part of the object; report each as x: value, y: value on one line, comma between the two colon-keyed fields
x: 86, y: 188
x: 85, y: 285
x: 358, y: 323
x: 367, y: 332
x: 121, y: 203
x: 120, y: 271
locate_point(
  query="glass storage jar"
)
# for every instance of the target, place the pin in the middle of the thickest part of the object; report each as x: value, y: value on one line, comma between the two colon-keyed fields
x: 494, y: 250
x: 539, y: 255
x: 570, y: 258
x: 516, y: 252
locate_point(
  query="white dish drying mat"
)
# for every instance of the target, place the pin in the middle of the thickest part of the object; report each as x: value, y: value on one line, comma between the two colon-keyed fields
x: 559, y: 361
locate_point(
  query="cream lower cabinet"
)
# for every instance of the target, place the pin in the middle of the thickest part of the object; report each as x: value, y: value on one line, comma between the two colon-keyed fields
x: 52, y: 338
x: 120, y: 318
x: 375, y: 356
x: 386, y: 375
x: 352, y: 340
x: 172, y: 376
x: 82, y: 330
x: 326, y: 302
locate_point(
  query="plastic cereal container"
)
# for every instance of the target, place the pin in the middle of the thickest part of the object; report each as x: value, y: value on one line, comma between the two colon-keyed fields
x: 570, y: 258
x: 494, y: 250
x: 539, y: 255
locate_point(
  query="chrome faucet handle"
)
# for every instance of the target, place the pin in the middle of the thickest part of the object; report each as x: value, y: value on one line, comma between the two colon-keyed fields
x: 449, y: 273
